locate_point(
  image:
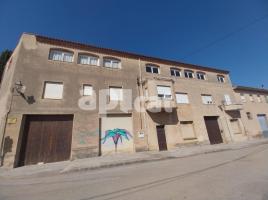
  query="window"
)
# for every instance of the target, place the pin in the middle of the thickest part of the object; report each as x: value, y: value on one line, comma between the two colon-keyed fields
x: 221, y: 78
x: 182, y: 98
x: 243, y: 98
x: 266, y: 99
x: 259, y: 99
x: 112, y: 63
x: 87, y: 90
x: 59, y: 55
x: 188, y: 74
x: 251, y: 98
x: 88, y: 60
x: 164, y: 92
x: 116, y: 93
x: 152, y: 69
x: 201, y: 76
x: 227, y: 99
x: 175, y: 72
x: 53, y: 90
x: 207, y: 99
x: 249, y: 115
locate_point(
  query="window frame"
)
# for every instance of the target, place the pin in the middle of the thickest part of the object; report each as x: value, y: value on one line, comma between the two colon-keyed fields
x: 112, y: 61
x: 63, y: 52
x: 87, y: 85
x: 221, y: 78
x: 152, y: 67
x: 51, y: 83
x: 175, y: 70
x: 182, y: 93
x: 164, y: 97
x: 122, y: 93
x: 200, y: 74
x: 187, y: 71
x: 207, y: 102
x: 89, y: 56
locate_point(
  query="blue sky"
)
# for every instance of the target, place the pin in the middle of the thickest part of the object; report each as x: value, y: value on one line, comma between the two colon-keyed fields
x: 226, y: 34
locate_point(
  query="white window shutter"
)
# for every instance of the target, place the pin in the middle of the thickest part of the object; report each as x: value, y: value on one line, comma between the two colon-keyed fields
x: 53, y: 90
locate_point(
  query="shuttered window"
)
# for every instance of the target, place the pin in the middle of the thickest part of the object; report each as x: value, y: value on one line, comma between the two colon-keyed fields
x: 164, y: 92
x: 116, y: 93
x: 87, y: 90
x: 53, y: 90
x: 207, y: 99
x: 182, y: 98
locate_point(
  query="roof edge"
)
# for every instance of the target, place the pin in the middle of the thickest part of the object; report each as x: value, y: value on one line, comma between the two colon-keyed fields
x: 246, y: 88
x: 77, y: 45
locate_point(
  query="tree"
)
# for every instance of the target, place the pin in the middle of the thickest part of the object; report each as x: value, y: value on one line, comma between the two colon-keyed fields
x: 5, y: 55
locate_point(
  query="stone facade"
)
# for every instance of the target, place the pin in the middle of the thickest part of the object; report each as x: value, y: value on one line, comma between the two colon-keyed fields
x: 183, y: 125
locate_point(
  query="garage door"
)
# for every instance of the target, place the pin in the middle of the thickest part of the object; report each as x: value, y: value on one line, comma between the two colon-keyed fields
x: 263, y: 124
x: 116, y: 134
x: 46, y: 138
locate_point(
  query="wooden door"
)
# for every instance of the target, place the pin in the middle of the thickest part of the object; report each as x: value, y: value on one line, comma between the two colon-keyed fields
x: 213, y: 129
x: 161, y: 136
x: 46, y: 138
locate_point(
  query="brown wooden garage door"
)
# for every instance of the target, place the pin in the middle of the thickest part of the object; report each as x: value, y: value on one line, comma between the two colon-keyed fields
x: 46, y: 138
x: 213, y: 129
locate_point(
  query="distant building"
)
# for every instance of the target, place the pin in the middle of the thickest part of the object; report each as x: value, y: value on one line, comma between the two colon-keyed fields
x: 64, y: 100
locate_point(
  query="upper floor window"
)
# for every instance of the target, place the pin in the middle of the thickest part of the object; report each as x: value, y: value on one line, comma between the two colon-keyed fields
x: 152, y: 69
x: 182, y: 98
x: 53, y: 90
x: 251, y: 98
x: 60, y: 55
x: 88, y: 60
x: 188, y: 74
x: 221, y: 78
x: 112, y: 63
x: 175, y: 72
x: 243, y: 98
x: 207, y: 99
x: 164, y: 92
x: 259, y: 98
x: 116, y: 93
x: 87, y: 90
x: 201, y: 75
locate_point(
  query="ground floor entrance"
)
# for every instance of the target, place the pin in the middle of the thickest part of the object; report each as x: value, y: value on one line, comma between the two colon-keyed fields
x: 264, y: 124
x: 213, y: 129
x: 45, y: 138
x: 116, y: 134
x: 161, y: 136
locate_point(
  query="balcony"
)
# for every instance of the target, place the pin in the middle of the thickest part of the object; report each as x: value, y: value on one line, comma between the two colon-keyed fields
x: 158, y: 105
x: 230, y: 106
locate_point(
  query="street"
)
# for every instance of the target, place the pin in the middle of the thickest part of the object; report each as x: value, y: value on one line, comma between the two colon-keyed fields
x: 235, y: 174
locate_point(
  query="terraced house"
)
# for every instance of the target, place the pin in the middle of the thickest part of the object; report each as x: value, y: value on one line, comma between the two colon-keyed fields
x: 64, y: 100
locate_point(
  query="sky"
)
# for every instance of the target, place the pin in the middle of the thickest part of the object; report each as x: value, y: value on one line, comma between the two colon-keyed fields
x: 225, y: 34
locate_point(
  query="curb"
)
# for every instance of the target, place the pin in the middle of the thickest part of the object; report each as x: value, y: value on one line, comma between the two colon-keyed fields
x: 166, y: 156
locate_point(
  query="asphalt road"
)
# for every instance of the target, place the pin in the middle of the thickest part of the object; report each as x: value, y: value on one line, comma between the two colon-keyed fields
x: 238, y: 174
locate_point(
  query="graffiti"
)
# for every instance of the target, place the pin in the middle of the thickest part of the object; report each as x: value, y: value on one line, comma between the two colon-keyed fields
x: 116, y: 134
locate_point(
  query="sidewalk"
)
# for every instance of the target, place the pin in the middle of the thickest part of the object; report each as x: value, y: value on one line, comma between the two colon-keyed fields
x: 122, y: 159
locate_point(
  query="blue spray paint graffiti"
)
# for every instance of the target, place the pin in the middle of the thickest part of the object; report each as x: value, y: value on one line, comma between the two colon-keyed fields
x: 116, y: 134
